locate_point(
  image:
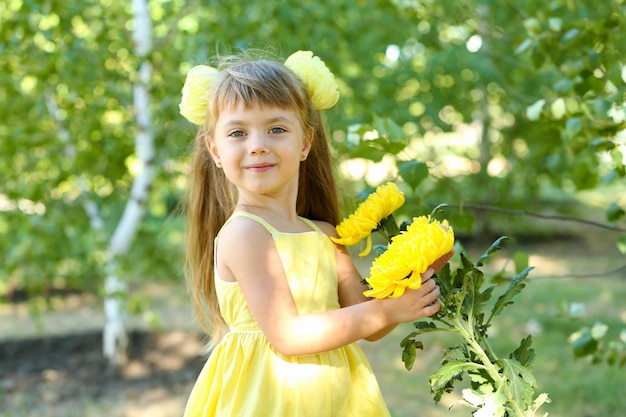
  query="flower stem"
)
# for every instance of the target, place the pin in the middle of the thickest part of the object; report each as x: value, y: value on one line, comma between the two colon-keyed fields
x: 441, y: 320
x: 488, y: 366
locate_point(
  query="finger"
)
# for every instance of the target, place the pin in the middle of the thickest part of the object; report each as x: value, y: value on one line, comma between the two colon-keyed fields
x: 434, y: 294
x: 427, y: 275
x: 439, y: 263
x: 428, y: 286
x: 431, y: 309
x: 430, y: 299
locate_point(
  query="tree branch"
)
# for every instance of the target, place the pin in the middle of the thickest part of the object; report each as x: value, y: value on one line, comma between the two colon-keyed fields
x: 584, y: 275
x: 605, y: 226
x: 482, y: 207
x: 69, y: 150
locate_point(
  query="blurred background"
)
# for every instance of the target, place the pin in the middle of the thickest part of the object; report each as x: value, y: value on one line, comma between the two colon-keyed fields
x: 510, y: 112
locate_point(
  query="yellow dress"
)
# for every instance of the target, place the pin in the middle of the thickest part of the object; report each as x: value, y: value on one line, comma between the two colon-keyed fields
x: 245, y: 376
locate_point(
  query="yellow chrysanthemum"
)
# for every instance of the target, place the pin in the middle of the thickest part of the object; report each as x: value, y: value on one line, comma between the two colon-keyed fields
x: 317, y: 78
x: 195, y: 97
x: 408, y: 256
x: 360, y: 224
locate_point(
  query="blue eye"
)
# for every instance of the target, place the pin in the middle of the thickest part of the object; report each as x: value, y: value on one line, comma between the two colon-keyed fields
x: 276, y: 130
x: 236, y: 133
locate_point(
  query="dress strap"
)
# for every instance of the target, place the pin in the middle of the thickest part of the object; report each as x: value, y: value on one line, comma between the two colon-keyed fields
x: 265, y: 224
x: 258, y: 219
x: 313, y: 225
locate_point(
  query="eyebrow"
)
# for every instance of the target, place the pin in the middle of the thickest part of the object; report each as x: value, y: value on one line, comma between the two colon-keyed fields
x: 278, y: 119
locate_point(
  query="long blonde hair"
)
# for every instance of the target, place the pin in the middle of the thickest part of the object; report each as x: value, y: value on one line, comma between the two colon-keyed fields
x: 212, y: 197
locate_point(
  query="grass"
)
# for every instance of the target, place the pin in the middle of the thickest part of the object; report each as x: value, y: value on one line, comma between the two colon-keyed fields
x: 577, y: 388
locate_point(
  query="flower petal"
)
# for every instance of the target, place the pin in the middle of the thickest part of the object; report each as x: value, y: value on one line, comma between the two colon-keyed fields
x: 408, y: 256
x: 378, y: 205
x: 318, y: 79
x: 193, y: 104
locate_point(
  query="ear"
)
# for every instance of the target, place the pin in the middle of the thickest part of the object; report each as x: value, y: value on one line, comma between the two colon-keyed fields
x: 307, y: 143
x: 210, y: 145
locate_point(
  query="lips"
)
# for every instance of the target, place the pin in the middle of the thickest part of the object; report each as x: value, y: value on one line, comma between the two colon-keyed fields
x: 260, y: 167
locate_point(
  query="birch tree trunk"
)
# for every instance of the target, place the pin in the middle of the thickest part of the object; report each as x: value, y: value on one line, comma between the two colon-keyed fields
x: 115, y: 338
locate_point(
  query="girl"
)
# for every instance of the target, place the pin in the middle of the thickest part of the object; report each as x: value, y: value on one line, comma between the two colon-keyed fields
x: 283, y: 303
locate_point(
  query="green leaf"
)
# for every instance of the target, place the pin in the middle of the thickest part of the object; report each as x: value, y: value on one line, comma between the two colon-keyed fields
x: 583, y: 342
x: 602, y: 144
x: 527, y: 43
x: 437, y: 211
x: 600, y: 107
x: 379, y: 249
x: 413, y: 172
x: 573, y: 126
x: 614, y: 212
x: 516, y: 286
x: 409, y: 350
x: 459, y: 292
x: 373, y: 150
x: 486, y: 294
x: 421, y: 325
x: 479, y: 378
x: 524, y: 354
x: 570, y: 34
x: 472, y: 304
x: 520, y: 381
x: 448, y: 372
x: 389, y: 225
x: 444, y: 280
x: 533, y: 112
x: 428, y: 327
x: 389, y: 128
x: 495, y: 246
x: 576, y: 310
x: 599, y: 330
x: 455, y: 353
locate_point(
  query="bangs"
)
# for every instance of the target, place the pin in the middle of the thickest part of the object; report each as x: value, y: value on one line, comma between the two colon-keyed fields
x: 258, y: 84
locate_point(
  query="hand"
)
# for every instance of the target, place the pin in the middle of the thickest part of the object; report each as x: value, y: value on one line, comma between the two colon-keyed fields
x: 439, y: 263
x: 415, y: 304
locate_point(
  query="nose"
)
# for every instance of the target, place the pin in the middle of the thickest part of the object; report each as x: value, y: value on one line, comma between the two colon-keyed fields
x: 258, y: 144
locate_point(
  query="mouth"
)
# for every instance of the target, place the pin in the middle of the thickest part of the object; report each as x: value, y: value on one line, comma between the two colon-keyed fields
x: 259, y: 167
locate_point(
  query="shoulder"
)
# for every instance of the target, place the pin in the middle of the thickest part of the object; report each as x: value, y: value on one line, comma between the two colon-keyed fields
x: 326, y: 227
x: 244, y: 245
x: 243, y: 232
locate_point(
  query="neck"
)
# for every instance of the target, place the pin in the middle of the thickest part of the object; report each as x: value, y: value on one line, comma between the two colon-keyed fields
x: 268, y: 207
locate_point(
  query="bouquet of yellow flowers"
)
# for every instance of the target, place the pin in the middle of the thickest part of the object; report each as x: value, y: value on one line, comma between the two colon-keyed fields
x: 499, y: 387
x: 410, y: 251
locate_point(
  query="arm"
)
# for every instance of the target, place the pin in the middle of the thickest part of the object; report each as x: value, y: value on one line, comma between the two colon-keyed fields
x: 350, y: 280
x: 267, y: 293
x: 351, y: 286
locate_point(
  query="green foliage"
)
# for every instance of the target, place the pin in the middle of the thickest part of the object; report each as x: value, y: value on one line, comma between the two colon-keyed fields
x: 599, y: 342
x: 497, y: 385
x: 550, y: 111
x: 538, y: 87
x: 68, y: 140
x: 614, y: 212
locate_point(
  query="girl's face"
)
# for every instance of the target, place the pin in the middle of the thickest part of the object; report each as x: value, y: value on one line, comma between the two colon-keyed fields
x: 260, y: 149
